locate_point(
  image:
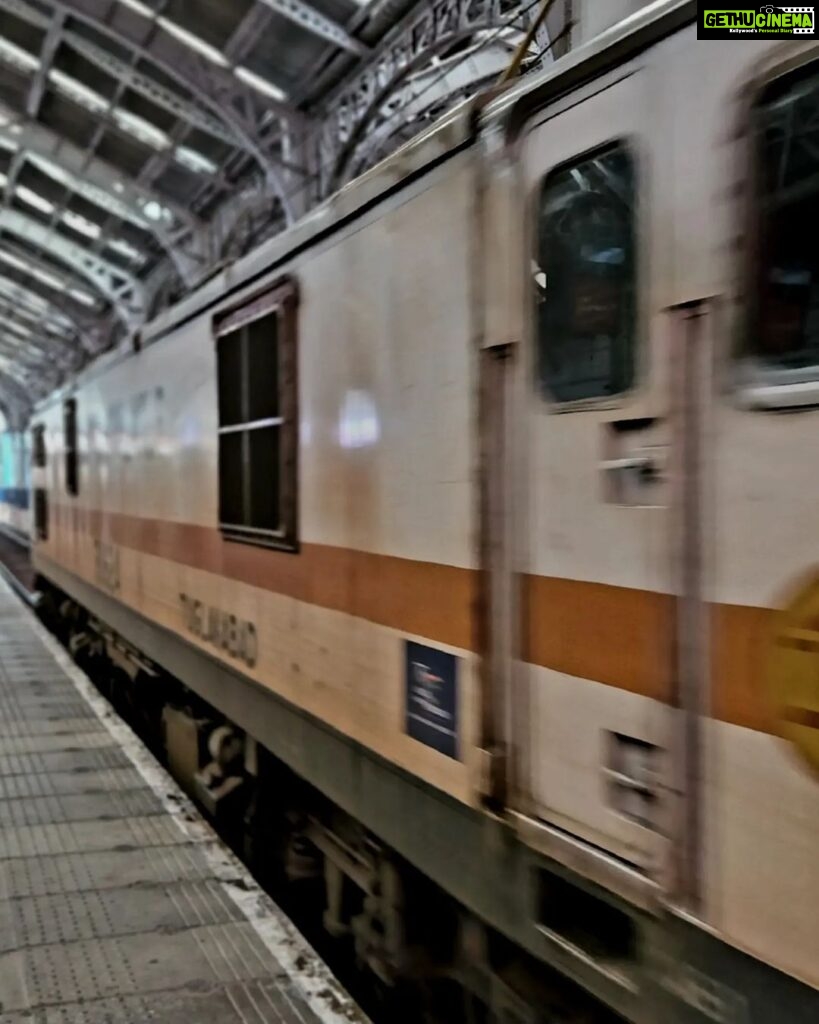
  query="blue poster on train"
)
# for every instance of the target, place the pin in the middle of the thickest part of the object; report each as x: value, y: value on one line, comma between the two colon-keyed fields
x: 432, y: 697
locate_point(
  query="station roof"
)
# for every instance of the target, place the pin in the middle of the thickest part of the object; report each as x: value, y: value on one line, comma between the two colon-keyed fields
x: 144, y: 143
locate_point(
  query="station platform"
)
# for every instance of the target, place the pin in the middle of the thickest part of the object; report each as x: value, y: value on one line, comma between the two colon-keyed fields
x: 118, y: 903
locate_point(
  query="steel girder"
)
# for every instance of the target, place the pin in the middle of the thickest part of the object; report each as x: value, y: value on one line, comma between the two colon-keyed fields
x: 233, y: 102
x: 33, y: 305
x: 413, y: 97
x: 38, y: 380
x: 124, y: 197
x: 429, y: 28
x: 222, y: 105
x: 179, y: 233
x: 314, y: 21
x: 15, y: 398
x: 125, y: 292
x: 29, y: 350
x: 356, y: 127
x: 55, y: 308
x: 187, y: 261
x: 344, y: 116
x: 51, y: 42
x: 60, y: 348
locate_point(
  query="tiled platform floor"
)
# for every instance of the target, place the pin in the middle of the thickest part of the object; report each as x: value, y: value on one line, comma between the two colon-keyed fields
x: 118, y: 905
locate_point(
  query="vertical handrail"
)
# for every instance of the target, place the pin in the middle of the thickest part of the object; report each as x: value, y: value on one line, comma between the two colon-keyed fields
x: 690, y: 651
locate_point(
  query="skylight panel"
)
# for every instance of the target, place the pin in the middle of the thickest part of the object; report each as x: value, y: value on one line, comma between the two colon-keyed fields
x: 194, y: 160
x: 193, y: 41
x: 84, y: 96
x: 262, y: 85
x: 17, y: 56
x: 81, y: 224
x: 34, y: 199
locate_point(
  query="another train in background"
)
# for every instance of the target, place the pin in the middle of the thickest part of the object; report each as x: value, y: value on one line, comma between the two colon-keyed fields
x: 15, y: 461
x: 456, y: 548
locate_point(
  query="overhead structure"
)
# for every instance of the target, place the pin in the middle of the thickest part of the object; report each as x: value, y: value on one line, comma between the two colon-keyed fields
x: 143, y: 143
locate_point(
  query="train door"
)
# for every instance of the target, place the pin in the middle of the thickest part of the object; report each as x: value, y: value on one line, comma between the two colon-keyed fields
x: 597, y: 617
x: 750, y: 128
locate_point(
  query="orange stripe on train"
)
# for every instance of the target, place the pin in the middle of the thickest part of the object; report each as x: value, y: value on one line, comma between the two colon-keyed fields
x: 619, y: 636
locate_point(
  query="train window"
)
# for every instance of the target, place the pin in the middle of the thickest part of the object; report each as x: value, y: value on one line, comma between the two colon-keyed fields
x: 785, y: 309
x: 584, y: 277
x: 38, y: 446
x: 40, y: 514
x: 256, y: 389
x: 72, y: 482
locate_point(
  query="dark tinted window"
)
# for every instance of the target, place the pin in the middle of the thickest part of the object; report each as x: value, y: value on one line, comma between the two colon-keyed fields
x: 38, y: 445
x: 40, y: 514
x: 231, y: 480
x: 262, y: 357
x: 72, y: 482
x: 584, y: 277
x: 785, y: 324
x: 264, y: 460
x: 230, y: 379
x: 257, y: 427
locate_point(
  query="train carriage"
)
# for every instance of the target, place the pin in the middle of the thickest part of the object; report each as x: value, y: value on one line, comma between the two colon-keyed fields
x: 472, y: 500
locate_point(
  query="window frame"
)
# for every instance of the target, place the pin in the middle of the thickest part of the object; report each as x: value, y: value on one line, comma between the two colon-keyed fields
x: 71, y: 447
x: 545, y: 396
x: 757, y: 385
x: 281, y: 299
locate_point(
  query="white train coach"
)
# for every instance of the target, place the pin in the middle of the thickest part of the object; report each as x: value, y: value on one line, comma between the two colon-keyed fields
x: 476, y: 516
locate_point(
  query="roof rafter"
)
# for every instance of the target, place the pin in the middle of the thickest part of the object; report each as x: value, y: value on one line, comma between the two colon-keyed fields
x: 314, y: 21
x: 38, y: 268
x: 107, y: 187
x: 17, y: 392
x: 125, y: 293
x: 51, y: 43
x: 23, y: 133
x: 230, y: 99
x: 28, y: 343
x: 11, y: 316
x: 56, y: 307
x: 244, y: 37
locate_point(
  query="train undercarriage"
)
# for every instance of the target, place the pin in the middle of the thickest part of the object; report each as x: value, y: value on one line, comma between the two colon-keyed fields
x: 406, y: 949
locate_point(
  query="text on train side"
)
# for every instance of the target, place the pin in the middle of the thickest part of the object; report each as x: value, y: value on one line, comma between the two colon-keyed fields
x: 236, y: 637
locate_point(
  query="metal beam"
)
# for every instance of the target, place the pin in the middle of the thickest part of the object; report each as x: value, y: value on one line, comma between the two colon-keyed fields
x: 34, y: 266
x: 217, y: 88
x: 15, y: 167
x: 124, y: 25
x: 99, y: 183
x: 13, y: 354
x: 314, y: 21
x: 148, y: 87
x: 405, y: 113
x: 28, y: 348
x: 48, y: 50
x: 125, y: 293
x: 428, y: 28
x: 61, y: 336
x: 13, y: 371
x: 11, y: 384
x: 15, y: 405
x: 59, y: 306
x: 244, y: 37
x: 247, y: 33
x: 239, y: 106
x: 123, y: 196
x: 106, y: 187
